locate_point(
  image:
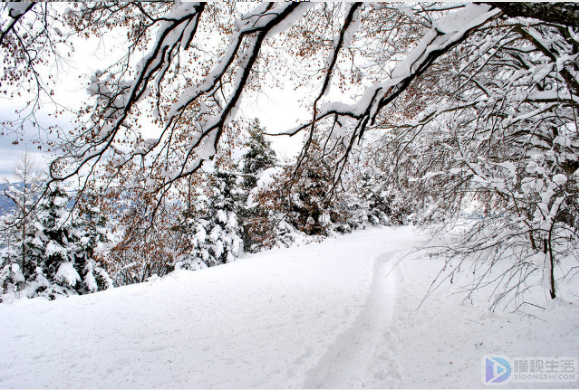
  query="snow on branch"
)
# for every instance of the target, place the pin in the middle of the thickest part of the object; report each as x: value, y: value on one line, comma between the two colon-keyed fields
x: 14, y: 12
x: 442, y: 36
x: 202, y: 110
x: 177, y: 31
x: 173, y: 33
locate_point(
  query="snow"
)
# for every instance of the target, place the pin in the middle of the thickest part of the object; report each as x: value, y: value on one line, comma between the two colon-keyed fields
x: 209, y: 150
x: 407, y: 10
x: 560, y: 179
x: 464, y: 19
x: 222, y: 216
x: 288, y: 21
x: 17, y: 9
x: 352, y: 28
x: 54, y: 248
x: 91, y: 282
x: 341, y: 313
x: 509, y: 166
x: 444, y: 33
x: 268, y: 177
x: 67, y: 274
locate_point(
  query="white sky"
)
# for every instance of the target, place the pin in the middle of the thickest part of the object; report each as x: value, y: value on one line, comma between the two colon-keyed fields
x: 12, y: 146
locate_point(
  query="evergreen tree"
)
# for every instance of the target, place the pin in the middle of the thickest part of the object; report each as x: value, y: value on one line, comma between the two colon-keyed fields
x: 259, y: 156
x: 57, y: 253
x: 255, y: 215
x: 50, y: 261
x: 212, y: 230
x: 290, y: 206
x: 92, y: 240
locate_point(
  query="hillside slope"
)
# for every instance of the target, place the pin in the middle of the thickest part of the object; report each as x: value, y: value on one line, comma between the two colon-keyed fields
x: 337, y: 314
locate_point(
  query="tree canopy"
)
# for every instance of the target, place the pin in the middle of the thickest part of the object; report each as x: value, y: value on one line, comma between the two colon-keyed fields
x: 193, y: 94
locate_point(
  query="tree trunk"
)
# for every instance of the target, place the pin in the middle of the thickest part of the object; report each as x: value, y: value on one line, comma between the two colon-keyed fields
x: 553, y: 292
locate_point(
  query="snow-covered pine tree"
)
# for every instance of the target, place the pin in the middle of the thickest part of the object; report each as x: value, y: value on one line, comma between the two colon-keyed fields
x: 269, y: 225
x: 316, y: 202
x: 92, y: 239
x: 258, y: 157
x: 50, y: 268
x: 211, y: 231
x: 293, y: 204
x: 255, y: 216
x: 55, y: 257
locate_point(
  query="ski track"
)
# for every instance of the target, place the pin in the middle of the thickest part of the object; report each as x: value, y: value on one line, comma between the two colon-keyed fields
x: 361, y: 356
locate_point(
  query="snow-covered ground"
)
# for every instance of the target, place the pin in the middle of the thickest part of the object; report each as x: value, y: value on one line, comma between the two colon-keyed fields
x: 341, y: 313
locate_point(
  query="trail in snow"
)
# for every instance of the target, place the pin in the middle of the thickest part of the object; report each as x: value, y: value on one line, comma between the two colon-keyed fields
x: 364, y: 351
x: 259, y: 322
x: 395, y: 344
x: 341, y: 313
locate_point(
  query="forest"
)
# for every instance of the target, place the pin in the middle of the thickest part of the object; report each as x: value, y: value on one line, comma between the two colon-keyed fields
x: 416, y: 113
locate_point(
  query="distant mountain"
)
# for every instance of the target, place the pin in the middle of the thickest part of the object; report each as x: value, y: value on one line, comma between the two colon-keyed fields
x: 5, y: 203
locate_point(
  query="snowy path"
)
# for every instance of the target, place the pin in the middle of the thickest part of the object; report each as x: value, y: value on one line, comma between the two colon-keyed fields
x: 359, y: 351
x: 260, y: 322
x: 335, y: 314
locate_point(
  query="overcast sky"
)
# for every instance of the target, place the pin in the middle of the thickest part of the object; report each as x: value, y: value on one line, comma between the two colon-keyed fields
x: 12, y: 146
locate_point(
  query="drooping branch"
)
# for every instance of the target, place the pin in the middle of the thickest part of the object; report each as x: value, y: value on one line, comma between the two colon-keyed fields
x: 441, y: 38
x: 177, y: 32
x: 351, y: 12
x: 15, y: 16
x: 120, y: 102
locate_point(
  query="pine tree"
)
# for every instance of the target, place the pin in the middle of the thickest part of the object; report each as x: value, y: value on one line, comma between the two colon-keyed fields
x: 92, y: 240
x: 50, y: 261
x: 259, y: 155
x: 212, y: 231
x: 56, y: 253
x: 255, y: 216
